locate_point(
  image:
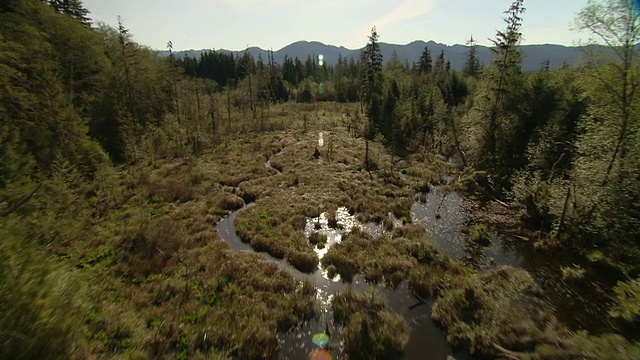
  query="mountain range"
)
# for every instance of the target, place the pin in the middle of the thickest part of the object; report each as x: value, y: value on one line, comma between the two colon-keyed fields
x: 533, y: 55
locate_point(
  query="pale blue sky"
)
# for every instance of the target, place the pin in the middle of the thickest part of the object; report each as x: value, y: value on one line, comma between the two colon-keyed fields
x: 234, y: 24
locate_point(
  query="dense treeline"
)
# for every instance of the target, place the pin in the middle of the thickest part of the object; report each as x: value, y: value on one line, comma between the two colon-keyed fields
x: 562, y: 146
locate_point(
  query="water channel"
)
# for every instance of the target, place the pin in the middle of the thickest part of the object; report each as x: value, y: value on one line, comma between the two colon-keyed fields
x: 442, y: 215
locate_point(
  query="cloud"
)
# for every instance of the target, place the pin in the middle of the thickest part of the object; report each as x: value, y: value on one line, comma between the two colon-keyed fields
x: 408, y: 10
x: 253, y: 5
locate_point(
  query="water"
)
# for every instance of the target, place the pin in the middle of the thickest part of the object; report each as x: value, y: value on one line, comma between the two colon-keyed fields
x: 426, y: 340
x: 443, y: 216
x: 579, y: 304
x: 443, y: 219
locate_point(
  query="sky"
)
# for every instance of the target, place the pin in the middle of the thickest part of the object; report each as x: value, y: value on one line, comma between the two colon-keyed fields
x: 273, y: 24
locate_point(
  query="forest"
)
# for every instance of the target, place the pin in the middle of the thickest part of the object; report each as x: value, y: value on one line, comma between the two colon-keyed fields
x: 117, y: 164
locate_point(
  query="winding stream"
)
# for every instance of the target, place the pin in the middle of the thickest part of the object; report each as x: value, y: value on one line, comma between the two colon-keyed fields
x: 443, y: 217
x: 426, y: 340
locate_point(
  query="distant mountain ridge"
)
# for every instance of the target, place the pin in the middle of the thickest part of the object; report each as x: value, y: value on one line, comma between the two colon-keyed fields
x: 533, y: 55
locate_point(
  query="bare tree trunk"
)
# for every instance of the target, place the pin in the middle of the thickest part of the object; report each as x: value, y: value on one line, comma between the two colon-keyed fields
x: 366, y: 154
x: 229, y: 107
x: 212, y: 112
x: 251, y: 104
x: 457, y: 142
x: 564, y: 213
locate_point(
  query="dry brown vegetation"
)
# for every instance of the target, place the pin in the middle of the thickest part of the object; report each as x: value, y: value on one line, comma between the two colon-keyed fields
x: 372, y: 330
x: 404, y: 254
x: 162, y: 282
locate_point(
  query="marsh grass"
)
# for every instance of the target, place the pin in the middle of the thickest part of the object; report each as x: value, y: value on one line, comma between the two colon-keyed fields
x: 500, y: 307
x: 479, y: 234
x: 372, y: 330
x: 391, y: 259
x: 163, y: 285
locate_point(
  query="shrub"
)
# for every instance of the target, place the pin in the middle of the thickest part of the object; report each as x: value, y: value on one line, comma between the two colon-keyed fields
x: 42, y: 304
x: 480, y: 235
x: 498, y: 307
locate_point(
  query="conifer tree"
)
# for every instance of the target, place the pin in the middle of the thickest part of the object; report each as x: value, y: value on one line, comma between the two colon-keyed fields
x: 74, y: 8
x: 371, y: 91
x: 425, y: 63
x: 472, y: 65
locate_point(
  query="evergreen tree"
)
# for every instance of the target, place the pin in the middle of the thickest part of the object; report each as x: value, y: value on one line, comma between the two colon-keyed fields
x: 74, y: 8
x: 425, y: 63
x: 504, y: 78
x: 472, y: 65
x: 371, y: 91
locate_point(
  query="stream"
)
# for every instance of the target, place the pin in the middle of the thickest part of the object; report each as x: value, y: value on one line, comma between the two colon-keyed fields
x: 443, y: 217
x: 426, y: 340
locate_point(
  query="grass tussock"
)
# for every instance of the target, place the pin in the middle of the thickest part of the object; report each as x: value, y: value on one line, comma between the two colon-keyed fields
x: 406, y: 255
x: 268, y: 227
x: 232, y: 202
x: 372, y: 330
x: 499, y: 307
x: 479, y: 234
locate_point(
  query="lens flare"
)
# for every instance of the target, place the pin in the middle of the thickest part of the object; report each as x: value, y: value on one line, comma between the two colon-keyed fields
x: 321, y: 60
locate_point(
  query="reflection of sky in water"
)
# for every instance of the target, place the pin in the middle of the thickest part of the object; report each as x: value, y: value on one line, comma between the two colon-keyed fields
x: 446, y: 232
x: 345, y: 223
x: 426, y: 341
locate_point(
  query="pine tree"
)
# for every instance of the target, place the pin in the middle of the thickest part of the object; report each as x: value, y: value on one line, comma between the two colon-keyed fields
x: 74, y: 8
x: 371, y: 91
x: 506, y: 69
x: 472, y: 65
x: 425, y: 63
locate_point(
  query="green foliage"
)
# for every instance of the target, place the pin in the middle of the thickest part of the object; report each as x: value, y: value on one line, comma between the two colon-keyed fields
x: 472, y: 65
x: 627, y: 306
x: 371, y: 92
x: 494, y: 308
x: 42, y: 301
x: 480, y: 234
x: 585, y: 346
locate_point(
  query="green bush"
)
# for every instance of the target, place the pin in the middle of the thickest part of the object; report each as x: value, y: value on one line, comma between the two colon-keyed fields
x: 480, y: 235
x: 42, y: 304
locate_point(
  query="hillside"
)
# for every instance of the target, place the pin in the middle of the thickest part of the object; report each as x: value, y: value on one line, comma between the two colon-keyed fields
x: 534, y: 55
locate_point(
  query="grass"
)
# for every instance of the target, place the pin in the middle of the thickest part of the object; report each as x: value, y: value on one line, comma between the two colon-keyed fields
x: 162, y: 284
x: 372, y: 330
x: 404, y: 255
x: 480, y: 235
